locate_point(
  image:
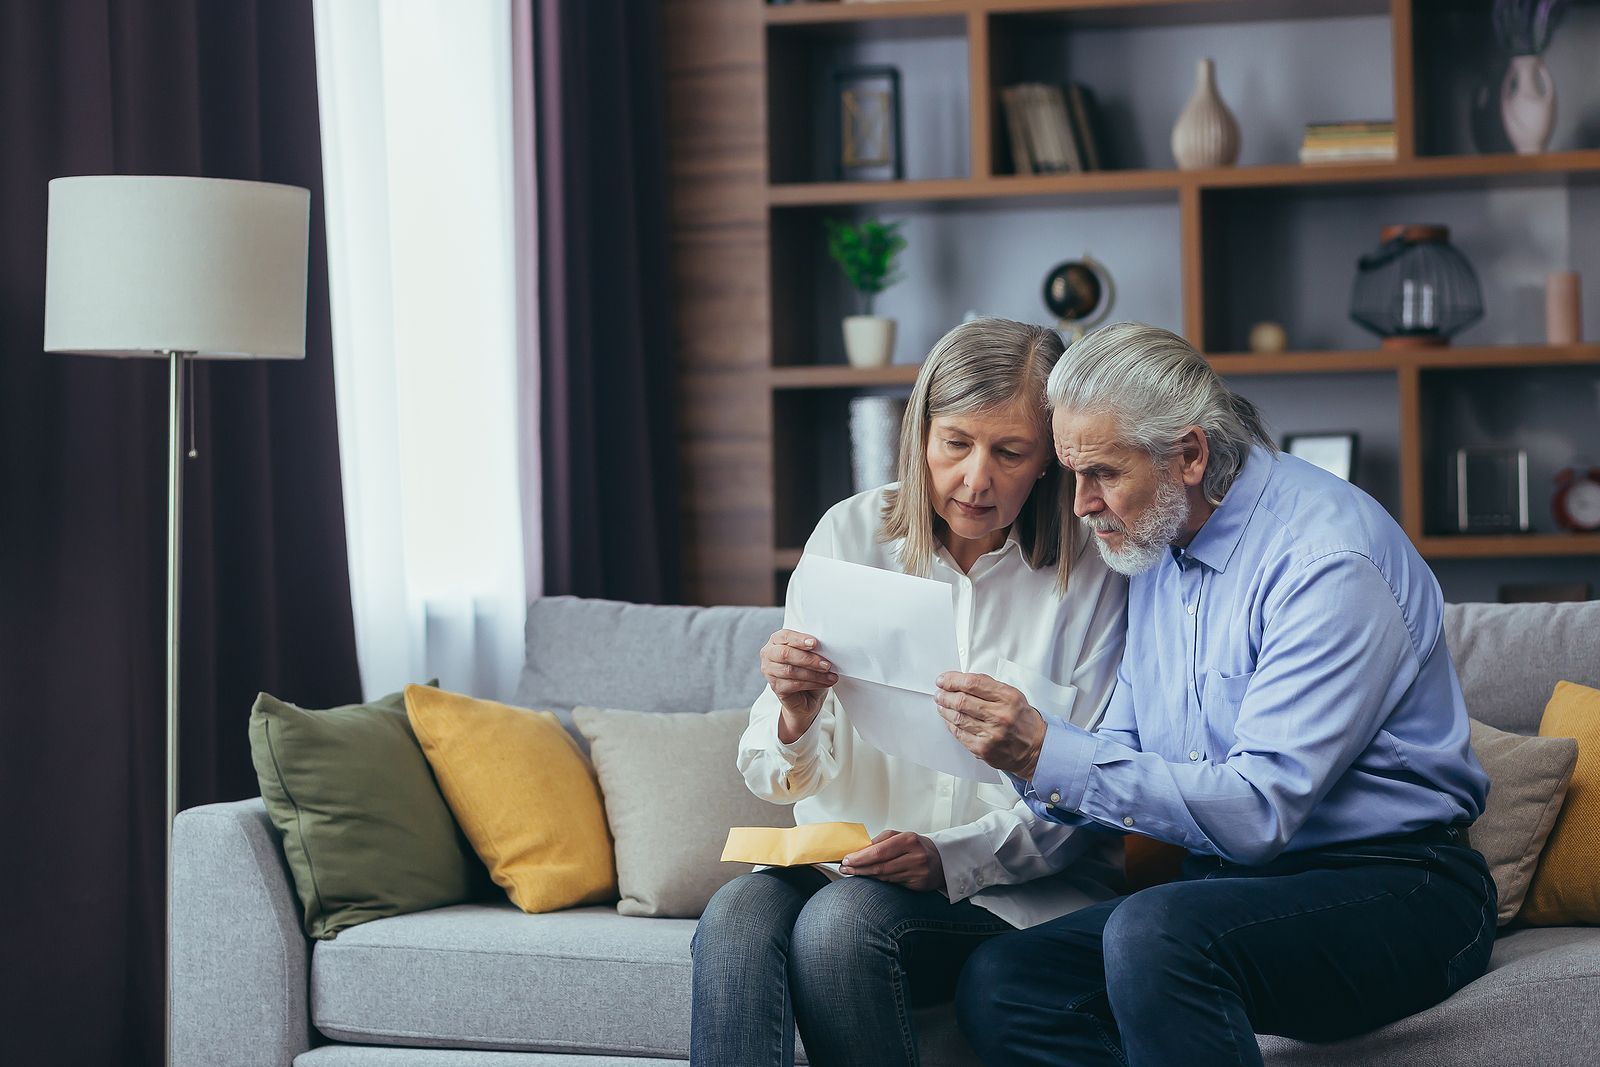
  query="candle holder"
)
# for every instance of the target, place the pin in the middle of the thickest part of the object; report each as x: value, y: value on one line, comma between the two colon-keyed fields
x: 1415, y: 289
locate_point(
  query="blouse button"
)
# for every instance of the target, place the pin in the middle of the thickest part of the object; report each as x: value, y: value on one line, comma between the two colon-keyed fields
x: 1127, y: 820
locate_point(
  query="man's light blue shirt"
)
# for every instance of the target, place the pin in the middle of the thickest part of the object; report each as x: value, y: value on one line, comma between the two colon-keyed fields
x: 1285, y: 685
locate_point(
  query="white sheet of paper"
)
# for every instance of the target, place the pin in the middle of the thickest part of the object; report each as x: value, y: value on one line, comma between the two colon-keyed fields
x: 888, y: 636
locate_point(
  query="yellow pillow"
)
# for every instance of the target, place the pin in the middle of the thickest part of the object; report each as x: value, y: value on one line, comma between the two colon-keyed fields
x: 1566, y: 887
x: 522, y: 793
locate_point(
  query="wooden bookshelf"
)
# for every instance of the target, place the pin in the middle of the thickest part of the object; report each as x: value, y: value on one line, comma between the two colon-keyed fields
x: 752, y: 338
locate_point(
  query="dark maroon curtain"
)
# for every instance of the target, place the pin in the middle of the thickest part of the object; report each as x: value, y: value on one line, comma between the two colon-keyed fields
x: 608, y: 448
x: 185, y: 87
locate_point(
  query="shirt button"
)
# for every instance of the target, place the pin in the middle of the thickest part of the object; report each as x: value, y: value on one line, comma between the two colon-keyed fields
x: 1194, y: 755
x: 1191, y: 612
x: 1127, y: 820
x: 1055, y: 798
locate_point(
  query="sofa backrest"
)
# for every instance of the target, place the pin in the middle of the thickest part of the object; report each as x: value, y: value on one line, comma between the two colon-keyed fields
x: 652, y: 658
x: 642, y: 657
x: 1510, y: 656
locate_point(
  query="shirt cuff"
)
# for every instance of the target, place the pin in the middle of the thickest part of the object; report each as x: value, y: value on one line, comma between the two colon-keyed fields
x: 1062, y: 776
x: 803, y: 749
x: 968, y: 860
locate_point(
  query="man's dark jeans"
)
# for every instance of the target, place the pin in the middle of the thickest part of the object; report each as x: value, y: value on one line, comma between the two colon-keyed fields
x: 1315, y: 945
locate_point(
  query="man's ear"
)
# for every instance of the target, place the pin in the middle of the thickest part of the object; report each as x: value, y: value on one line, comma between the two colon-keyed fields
x: 1194, y: 454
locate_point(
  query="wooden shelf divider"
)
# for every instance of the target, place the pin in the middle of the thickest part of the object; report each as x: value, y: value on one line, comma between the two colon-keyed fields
x: 1507, y: 546
x: 1161, y: 183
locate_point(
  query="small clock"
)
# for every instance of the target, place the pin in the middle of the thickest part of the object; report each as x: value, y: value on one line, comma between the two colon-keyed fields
x: 1577, y: 500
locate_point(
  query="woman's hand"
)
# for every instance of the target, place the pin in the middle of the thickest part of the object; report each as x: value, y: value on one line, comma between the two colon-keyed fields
x: 900, y: 857
x: 799, y: 677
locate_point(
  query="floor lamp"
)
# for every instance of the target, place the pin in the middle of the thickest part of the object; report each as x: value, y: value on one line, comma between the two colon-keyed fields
x: 176, y: 269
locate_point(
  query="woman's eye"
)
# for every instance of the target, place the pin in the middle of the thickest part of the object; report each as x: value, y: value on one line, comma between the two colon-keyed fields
x: 954, y: 444
x: 1006, y: 453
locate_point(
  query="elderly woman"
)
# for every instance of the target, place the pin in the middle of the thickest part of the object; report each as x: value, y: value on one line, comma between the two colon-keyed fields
x: 981, y: 505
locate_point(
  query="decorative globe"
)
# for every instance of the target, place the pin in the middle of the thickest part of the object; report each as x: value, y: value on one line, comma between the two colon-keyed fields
x: 1077, y: 291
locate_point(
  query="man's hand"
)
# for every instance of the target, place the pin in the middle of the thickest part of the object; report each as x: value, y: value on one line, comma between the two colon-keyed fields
x: 900, y: 857
x: 993, y: 720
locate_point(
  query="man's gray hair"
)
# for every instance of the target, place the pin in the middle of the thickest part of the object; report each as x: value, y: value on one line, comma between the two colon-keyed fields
x: 1157, y: 387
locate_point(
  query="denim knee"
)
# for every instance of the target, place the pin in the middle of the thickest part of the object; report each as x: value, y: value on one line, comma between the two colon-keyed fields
x: 842, y: 923
x: 1147, y: 942
x: 741, y: 919
x: 982, y: 997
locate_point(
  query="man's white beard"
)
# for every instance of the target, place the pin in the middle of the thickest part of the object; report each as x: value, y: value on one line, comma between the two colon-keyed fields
x: 1151, y: 534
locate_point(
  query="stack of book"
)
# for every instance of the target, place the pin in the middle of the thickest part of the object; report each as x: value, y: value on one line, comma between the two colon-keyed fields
x: 1053, y: 130
x: 1348, y: 142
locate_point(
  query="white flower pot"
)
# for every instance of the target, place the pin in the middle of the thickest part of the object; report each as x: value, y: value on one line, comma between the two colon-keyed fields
x: 868, y: 340
x: 1528, y: 104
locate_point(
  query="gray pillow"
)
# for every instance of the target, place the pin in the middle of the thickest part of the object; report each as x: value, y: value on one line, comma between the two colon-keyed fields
x: 1528, y: 779
x: 672, y: 790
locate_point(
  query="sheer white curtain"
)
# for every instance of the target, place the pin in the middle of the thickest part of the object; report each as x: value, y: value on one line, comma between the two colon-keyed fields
x: 421, y: 183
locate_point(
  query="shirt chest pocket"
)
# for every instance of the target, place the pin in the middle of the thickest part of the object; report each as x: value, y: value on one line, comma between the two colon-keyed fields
x: 1048, y: 696
x: 1220, y: 699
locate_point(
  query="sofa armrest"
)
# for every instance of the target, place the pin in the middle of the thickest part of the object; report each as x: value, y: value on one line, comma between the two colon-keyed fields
x: 239, y: 956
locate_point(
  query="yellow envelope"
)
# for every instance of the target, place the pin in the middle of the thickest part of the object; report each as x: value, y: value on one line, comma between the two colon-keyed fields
x: 772, y: 846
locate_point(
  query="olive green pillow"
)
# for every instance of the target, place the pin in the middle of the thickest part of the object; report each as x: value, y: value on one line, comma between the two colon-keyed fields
x: 365, y: 830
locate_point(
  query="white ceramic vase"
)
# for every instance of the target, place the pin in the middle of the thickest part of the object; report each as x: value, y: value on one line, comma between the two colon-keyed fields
x: 1206, y: 134
x: 868, y: 340
x: 1528, y: 104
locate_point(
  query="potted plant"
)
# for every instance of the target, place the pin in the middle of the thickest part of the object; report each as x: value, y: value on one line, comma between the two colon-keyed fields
x: 1528, y: 95
x: 866, y: 252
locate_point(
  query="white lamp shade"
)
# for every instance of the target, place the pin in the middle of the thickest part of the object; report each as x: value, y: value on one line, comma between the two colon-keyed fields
x: 143, y: 266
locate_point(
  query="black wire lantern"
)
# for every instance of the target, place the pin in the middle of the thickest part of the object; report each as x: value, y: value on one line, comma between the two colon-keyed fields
x: 1415, y: 289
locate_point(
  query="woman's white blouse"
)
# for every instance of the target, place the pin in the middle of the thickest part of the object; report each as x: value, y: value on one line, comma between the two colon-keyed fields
x: 1012, y: 624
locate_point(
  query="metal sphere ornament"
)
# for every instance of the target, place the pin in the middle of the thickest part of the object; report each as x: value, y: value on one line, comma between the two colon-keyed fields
x: 1079, y: 293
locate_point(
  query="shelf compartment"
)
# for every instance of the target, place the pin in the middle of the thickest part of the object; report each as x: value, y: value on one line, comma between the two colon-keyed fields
x: 1459, y: 68
x: 931, y: 55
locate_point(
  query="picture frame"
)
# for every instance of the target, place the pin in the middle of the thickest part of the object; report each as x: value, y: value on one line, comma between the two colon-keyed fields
x: 1333, y: 452
x: 867, y: 131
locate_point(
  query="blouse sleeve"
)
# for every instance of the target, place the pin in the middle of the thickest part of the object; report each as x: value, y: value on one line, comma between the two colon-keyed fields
x: 779, y: 772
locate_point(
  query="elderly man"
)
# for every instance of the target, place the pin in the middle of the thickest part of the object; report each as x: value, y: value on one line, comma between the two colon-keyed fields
x: 1286, y: 711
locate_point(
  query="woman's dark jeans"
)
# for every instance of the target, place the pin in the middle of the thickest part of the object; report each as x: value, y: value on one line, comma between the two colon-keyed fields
x: 846, y: 960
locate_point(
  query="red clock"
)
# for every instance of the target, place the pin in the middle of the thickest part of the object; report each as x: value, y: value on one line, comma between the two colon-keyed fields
x: 1577, y: 500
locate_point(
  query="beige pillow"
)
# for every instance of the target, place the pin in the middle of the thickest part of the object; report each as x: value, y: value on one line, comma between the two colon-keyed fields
x: 672, y: 790
x: 1528, y: 779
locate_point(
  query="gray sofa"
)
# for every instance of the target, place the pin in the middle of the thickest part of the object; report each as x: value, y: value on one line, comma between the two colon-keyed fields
x: 480, y: 985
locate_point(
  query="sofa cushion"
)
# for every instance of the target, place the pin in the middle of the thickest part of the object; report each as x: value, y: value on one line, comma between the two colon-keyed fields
x: 1509, y: 655
x: 479, y: 976
x: 672, y: 789
x: 482, y: 976
x: 651, y: 658
x: 1527, y: 782
x: 1538, y: 1003
x: 524, y: 795
x: 1566, y: 887
x: 364, y: 828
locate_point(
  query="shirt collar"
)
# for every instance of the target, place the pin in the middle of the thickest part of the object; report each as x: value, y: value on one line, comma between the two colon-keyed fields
x: 994, y: 555
x: 1217, y: 540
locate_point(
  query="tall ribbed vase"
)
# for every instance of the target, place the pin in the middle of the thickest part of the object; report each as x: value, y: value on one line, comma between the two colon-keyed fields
x: 1206, y: 134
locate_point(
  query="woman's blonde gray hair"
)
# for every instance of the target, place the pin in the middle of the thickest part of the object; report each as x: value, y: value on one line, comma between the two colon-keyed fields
x: 1157, y: 387
x: 982, y: 366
